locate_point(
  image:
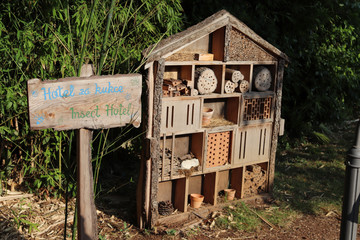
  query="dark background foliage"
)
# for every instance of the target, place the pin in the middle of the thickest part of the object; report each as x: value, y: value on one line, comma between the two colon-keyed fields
x: 322, y: 40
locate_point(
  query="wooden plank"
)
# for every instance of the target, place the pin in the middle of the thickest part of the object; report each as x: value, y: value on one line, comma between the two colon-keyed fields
x: 163, y: 158
x: 204, y: 56
x: 218, y: 44
x: 150, y: 98
x: 210, y: 189
x: 181, y: 194
x: 87, y: 223
x: 197, y: 144
x: 196, y: 63
x: 236, y: 181
x: 223, y: 180
x: 179, y: 115
x: 195, y: 183
x: 86, y: 102
x: 232, y: 109
x: 172, y: 156
x: 276, y: 129
x: 165, y: 190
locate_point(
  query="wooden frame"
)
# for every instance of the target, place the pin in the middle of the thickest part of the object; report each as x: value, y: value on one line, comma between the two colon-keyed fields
x: 175, y: 121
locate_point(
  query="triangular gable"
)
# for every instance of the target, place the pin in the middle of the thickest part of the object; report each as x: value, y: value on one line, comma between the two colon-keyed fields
x: 219, y: 21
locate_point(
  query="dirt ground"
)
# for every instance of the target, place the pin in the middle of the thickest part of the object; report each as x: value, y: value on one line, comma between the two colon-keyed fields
x: 46, y: 219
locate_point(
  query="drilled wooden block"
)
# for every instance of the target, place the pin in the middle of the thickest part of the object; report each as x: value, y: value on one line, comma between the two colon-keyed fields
x: 257, y: 109
x: 218, y: 148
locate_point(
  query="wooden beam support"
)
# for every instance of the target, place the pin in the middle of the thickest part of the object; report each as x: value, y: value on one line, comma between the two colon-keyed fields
x: 237, y: 181
x: 181, y: 194
x: 276, y: 129
x: 87, y: 219
x: 155, y: 150
x: 210, y: 187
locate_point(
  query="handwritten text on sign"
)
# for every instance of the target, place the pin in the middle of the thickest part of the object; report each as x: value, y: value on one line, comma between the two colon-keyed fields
x: 85, y: 102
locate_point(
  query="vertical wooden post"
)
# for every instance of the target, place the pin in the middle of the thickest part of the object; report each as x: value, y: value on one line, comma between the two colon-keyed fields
x: 87, y: 223
x: 155, y: 141
x: 276, y: 128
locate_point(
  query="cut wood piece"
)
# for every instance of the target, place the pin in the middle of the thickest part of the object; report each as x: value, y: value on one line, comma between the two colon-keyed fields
x: 166, y: 93
x: 169, y: 87
x: 248, y: 175
x: 262, y: 78
x: 185, y: 92
x: 173, y: 82
x: 180, y: 87
x: 233, y: 75
x: 244, y: 86
x: 176, y: 94
x: 229, y: 86
x: 204, y: 56
x: 206, y: 80
x: 194, y: 92
x: 256, y: 169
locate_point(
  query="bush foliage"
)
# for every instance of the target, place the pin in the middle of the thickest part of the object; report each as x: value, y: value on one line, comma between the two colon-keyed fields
x: 50, y: 39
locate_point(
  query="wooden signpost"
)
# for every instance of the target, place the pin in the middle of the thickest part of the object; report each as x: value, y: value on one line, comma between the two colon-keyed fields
x: 87, y: 102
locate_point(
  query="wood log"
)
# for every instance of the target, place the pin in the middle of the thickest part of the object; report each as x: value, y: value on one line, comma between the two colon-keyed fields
x: 166, y: 93
x: 194, y: 92
x: 176, y: 94
x: 229, y: 86
x: 185, y: 92
x: 248, y: 175
x: 172, y: 81
x: 256, y: 169
x: 206, y: 80
x: 168, y: 87
x: 244, y: 86
x: 180, y: 87
x: 247, y: 183
x: 233, y: 75
x: 262, y: 78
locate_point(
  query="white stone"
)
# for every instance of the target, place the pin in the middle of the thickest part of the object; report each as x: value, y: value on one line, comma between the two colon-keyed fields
x: 187, y: 164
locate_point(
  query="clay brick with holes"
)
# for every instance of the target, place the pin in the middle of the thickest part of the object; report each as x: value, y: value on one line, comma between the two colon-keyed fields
x: 218, y: 149
x: 257, y: 109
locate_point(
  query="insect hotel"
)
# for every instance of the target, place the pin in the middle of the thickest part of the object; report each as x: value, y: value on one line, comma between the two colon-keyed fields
x: 213, y: 118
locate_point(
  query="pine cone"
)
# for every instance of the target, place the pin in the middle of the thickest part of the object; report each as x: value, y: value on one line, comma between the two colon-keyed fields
x: 165, y: 208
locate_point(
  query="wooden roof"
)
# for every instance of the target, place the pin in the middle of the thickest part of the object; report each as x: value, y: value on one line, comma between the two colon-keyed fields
x: 220, y: 19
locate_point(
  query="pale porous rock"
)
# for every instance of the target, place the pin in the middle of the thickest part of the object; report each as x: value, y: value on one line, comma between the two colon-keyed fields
x: 187, y: 164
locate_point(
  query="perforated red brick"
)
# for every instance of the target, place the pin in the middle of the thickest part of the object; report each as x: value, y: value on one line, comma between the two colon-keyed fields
x: 218, y: 149
x: 257, y: 109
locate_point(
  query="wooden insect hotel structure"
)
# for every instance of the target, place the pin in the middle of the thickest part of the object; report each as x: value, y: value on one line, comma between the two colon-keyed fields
x: 213, y: 118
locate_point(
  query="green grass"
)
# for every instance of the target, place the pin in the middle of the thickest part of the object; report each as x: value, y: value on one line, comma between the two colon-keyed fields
x: 309, y: 179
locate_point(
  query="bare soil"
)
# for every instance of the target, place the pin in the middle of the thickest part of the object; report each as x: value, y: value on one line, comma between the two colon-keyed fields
x: 49, y: 217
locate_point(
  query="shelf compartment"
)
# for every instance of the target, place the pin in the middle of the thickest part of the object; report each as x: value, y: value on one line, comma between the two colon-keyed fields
x: 226, y: 111
x: 174, y: 148
x: 252, y: 144
x: 218, y: 71
x: 218, y: 149
x: 257, y: 107
x: 255, y: 179
x: 178, y: 81
x: 179, y: 115
x: 271, y: 68
x: 246, y: 71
